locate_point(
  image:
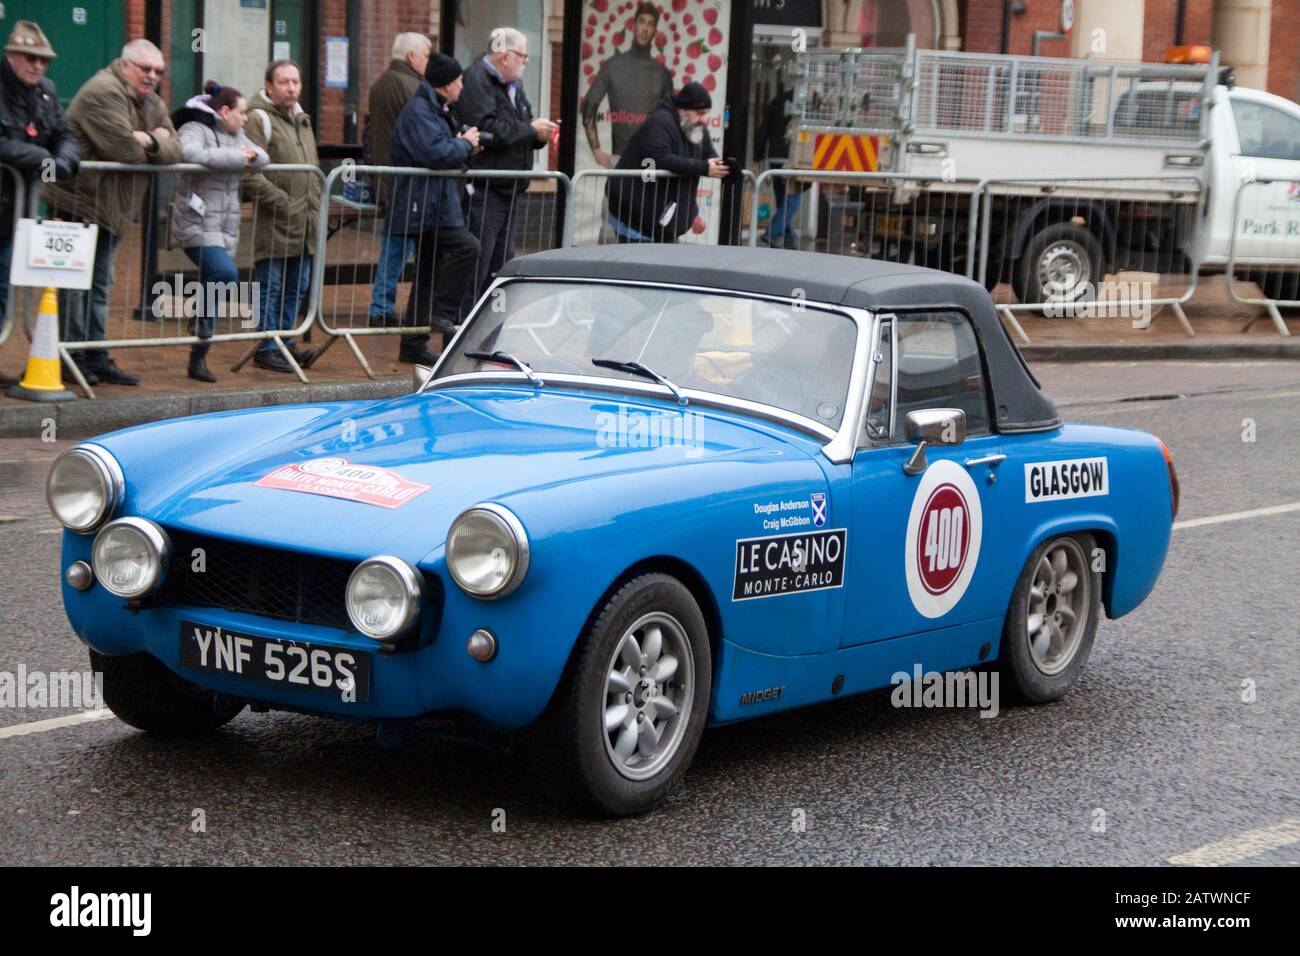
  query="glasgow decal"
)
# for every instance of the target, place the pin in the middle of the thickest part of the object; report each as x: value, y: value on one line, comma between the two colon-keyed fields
x: 1060, y: 480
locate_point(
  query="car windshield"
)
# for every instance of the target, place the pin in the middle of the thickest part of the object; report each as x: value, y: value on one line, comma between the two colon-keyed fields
x: 794, y: 358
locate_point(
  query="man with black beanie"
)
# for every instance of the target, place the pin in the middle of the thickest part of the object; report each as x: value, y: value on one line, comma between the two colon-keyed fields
x: 675, y: 139
x: 428, y: 208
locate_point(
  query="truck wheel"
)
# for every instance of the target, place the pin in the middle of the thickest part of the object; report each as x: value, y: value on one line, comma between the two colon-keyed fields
x: 1061, y: 263
x: 626, y: 720
x: 1052, y: 620
x: 142, y: 692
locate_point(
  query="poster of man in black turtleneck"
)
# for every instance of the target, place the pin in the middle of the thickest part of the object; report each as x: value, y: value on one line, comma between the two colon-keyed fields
x: 634, y: 80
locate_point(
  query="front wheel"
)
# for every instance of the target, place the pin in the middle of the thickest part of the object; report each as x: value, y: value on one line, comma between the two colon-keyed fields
x: 628, y: 715
x: 1062, y: 263
x: 142, y: 692
x: 1052, y: 620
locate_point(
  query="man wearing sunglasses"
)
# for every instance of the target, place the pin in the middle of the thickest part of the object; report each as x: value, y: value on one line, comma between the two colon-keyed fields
x: 116, y: 116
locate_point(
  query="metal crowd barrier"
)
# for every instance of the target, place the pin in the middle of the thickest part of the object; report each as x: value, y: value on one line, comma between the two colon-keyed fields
x: 1265, y: 246
x: 587, y: 215
x: 357, y: 249
x: 893, y: 217
x: 1064, y: 244
x: 155, y: 297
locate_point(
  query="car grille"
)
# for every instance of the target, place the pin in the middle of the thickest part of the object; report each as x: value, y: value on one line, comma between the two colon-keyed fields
x: 287, y: 585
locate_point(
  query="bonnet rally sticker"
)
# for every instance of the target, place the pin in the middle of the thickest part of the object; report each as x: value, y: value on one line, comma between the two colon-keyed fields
x: 339, y: 478
x: 942, y: 545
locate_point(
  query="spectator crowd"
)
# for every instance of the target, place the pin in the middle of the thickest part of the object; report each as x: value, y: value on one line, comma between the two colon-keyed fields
x: 425, y: 113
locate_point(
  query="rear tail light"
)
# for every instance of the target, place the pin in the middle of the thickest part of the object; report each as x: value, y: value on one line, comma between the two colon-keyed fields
x: 1173, y: 475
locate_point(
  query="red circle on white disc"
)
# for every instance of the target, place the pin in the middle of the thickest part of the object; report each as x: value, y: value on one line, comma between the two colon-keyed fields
x: 946, y: 497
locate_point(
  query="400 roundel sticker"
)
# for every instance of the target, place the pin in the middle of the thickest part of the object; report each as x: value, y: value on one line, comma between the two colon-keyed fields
x: 942, y: 545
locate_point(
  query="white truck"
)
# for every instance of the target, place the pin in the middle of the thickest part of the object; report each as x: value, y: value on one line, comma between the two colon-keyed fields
x: 1137, y: 166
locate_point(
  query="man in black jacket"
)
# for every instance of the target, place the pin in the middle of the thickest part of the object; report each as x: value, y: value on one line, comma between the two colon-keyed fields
x: 674, y: 139
x: 34, y: 136
x: 493, y: 101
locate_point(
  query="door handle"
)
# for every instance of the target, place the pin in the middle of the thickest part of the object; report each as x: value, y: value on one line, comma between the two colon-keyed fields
x: 991, y: 460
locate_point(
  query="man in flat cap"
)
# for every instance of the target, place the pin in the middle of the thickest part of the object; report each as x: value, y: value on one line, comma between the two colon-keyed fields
x: 34, y: 135
x: 675, y: 139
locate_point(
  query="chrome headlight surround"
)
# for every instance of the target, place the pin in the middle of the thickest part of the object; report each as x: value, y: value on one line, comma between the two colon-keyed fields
x: 155, y: 550
x: 496, y: 527
x: 406, y: 586
x: 108, y: 484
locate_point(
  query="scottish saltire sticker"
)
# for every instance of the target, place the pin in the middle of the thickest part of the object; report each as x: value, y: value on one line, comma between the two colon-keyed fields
x: 340, y: 478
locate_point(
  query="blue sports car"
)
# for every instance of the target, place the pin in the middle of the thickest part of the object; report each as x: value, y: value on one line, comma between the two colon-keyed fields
x: 646, y: 489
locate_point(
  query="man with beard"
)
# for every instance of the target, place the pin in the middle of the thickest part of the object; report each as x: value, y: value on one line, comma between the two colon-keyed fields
x: 634, y: 81
x: 675, y: 140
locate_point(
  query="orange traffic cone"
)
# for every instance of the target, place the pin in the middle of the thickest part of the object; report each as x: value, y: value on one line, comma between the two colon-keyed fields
x: 43, y: 379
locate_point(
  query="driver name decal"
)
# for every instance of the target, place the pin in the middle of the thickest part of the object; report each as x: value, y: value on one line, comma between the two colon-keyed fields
x: 339, y: 478
x: 942, y: 545
x: 789, y: 564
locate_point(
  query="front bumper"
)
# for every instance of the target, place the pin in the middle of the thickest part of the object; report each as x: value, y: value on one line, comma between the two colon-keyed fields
x: 434, y: 674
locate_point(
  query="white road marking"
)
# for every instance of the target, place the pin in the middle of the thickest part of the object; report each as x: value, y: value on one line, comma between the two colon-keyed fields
x: 1234, y: 849
x: 54, y: 723
x: 1238, y: 515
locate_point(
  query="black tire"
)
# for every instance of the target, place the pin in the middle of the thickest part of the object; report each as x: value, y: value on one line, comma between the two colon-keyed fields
x: 568, y: 744
x: 142, y: 692
x: 1025, y: 278
x: 1022, y: 679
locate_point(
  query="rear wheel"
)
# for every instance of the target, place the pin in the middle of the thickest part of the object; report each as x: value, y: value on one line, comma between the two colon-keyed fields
x: 628, y: 715
x: 1052, y: 620
x: 1061, y: 263
x: 142, y: 692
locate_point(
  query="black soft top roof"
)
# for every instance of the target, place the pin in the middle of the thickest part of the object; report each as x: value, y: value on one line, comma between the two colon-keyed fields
x: 839, y: 280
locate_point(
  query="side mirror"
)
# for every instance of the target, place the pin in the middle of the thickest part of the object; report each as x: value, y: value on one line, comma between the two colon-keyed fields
x: 420, y: 375
x: 932, y: 426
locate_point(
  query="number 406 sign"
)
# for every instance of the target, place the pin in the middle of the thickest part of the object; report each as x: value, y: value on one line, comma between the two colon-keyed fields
x: 59, y: 254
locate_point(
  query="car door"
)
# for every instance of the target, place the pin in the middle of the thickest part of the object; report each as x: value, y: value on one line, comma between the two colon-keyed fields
x: 1268, y: 222
x: 918, y: 551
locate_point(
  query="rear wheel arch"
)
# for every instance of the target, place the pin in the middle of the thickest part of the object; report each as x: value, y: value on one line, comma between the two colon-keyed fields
x: 1105, y: 538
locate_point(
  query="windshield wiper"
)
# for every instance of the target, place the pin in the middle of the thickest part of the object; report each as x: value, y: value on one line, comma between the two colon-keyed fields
x: 507, y: 359
x: 636, y: 368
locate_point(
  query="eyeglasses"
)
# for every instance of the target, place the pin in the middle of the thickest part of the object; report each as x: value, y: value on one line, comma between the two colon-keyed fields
x: 522, y: 56
x: 158, y: 70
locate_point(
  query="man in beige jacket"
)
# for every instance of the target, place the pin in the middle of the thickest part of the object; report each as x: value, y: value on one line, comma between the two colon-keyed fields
x: 117, y: 116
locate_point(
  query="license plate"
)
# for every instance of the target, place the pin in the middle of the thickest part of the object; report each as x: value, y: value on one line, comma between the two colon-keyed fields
x: 276, y: 663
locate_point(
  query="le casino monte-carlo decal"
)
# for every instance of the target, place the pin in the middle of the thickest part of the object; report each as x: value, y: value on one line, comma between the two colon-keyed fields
x: 773, y: 565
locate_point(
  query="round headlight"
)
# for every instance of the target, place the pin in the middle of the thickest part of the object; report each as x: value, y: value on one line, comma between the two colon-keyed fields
x: 487, y: 551
x: 84, y: 488
x: 130, y: 556
x: 383, y: 597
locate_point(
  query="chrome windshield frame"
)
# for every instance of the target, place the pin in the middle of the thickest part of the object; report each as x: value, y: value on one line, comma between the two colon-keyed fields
x: 838, y: 444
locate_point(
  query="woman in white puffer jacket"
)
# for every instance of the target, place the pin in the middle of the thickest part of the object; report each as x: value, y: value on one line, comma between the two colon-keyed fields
x: 205, y: 212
